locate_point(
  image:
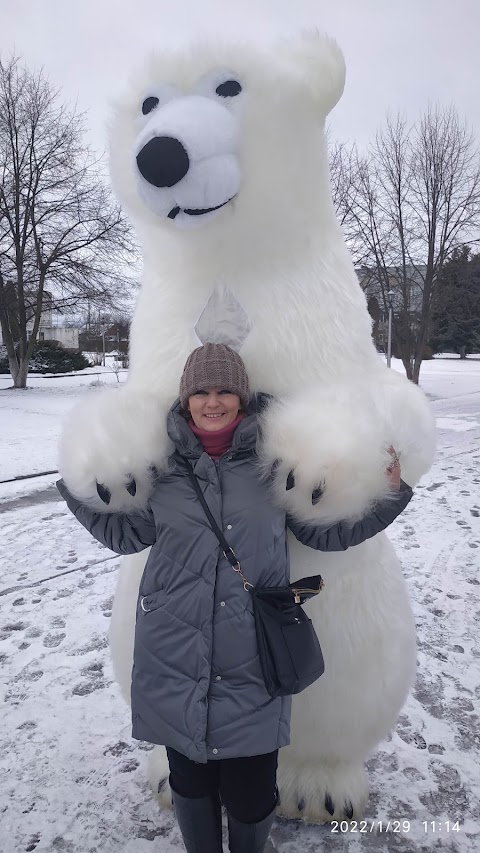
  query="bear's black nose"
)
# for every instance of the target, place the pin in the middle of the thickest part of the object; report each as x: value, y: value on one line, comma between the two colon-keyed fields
x: 163, y: 161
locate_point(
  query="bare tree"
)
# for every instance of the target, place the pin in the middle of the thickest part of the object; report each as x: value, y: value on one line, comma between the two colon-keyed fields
x: 59, y: 226
x: 343, y: 179
x: 418, y: 199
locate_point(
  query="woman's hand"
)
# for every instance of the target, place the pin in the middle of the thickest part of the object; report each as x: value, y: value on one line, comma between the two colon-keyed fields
x: 394, y: 470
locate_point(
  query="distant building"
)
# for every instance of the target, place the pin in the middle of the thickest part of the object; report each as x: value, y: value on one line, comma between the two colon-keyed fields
x: 99, y: 337
x: 66, y: 336
x: 49, y: 329
x: 376, y: 294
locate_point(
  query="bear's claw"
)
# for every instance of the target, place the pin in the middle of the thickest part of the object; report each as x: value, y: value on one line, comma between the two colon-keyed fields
x: 103, y: 493
x: 131, y: 487
x: 290, y: 484
x: 348, y: 809
x: 329, y: 804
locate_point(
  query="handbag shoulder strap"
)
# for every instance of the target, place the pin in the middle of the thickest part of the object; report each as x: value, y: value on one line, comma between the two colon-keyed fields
x: 227, y: 550
x: 315, y: 583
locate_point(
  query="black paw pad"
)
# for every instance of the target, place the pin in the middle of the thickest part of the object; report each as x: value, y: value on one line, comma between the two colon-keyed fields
x: 301, y: 805
x: 131, y: 487
x: 103, y: 493
x: 290, y: 481
x: 317, y: 494
x: 161, y: 785
x: 348, y: 809
x: 329, y: 804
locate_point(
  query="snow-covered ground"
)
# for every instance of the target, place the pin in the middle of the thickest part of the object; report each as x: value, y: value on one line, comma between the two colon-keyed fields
x: 71, y: 778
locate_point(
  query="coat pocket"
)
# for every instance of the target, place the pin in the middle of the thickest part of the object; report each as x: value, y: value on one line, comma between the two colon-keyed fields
x: 147, y: 603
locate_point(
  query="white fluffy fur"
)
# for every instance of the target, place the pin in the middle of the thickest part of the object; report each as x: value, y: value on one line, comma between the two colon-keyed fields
x: 339, y: 438
x: 98, y: 446
x: 279, y: 250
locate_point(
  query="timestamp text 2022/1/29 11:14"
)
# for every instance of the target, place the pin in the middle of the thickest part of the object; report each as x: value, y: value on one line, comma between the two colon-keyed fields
x: 396, y: 826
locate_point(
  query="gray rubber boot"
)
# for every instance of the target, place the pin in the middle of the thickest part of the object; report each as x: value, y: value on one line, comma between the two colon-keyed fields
x: 200, y: 822
x: 249, y: 837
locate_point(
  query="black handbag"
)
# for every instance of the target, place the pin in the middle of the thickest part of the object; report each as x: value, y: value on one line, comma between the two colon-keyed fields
x: 288, y: 647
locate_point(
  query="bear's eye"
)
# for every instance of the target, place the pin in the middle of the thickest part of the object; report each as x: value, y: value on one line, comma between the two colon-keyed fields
x: 149, y: 104
x: 229, y: 89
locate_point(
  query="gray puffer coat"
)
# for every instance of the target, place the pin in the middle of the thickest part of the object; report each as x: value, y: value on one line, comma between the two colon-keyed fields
x: 197, y: 684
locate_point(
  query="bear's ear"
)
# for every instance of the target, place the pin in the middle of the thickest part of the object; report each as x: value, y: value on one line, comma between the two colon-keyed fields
x: 318, y: 64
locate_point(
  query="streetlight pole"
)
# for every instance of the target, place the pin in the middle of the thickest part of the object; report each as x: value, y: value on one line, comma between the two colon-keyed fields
x: 390, y: 314
x: 103, y: 325
x: 103, y: 343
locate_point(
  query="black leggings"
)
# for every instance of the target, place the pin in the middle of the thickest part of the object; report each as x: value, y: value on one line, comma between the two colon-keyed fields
x: 247, y: 786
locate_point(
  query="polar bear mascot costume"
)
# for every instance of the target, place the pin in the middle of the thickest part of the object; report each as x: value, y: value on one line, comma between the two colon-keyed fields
x: 218, y: 154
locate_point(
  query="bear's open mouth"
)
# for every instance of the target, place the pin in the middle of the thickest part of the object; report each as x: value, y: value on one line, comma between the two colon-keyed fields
x: 196, y: 211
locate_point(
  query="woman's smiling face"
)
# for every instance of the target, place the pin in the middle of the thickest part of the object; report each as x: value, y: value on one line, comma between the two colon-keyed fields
x: 214, y: 408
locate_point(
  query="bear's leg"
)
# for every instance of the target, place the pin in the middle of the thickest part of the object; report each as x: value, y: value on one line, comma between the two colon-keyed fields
x: 158, y: 774
x: 366, y: 629
x: 122, y: 623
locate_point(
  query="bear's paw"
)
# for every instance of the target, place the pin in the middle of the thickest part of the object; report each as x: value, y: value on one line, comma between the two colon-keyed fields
x: 326, y: 453
x: 321, y: 793
x: 113, y: 447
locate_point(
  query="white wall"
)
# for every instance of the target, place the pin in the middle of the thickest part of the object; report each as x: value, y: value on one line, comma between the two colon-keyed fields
x: 67, y: 337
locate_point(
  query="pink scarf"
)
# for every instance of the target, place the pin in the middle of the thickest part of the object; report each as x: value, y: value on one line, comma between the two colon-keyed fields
x: 216, y: 442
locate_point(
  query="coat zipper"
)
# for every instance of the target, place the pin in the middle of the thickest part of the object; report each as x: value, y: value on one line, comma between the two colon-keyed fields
x: 217, y: 467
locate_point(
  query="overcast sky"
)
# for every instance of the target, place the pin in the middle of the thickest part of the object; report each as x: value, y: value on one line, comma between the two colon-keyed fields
x: 400, y: 54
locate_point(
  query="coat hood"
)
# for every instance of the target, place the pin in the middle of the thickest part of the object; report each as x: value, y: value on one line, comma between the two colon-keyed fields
x: 244, y: 439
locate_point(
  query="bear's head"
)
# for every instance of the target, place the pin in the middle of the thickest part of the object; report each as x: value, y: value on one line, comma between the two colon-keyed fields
x: 223, y: 146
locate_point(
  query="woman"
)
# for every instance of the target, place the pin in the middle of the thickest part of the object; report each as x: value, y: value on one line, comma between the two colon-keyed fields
x: 197, y: 684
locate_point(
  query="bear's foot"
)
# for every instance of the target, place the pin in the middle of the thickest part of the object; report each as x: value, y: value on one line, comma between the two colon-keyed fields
x: 158, y: 774
x: 321, y: 793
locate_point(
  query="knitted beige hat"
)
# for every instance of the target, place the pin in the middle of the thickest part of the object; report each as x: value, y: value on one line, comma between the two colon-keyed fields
x: 214, y: 366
